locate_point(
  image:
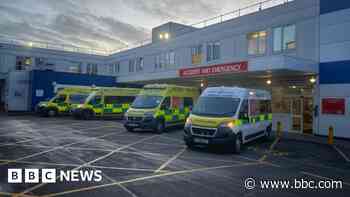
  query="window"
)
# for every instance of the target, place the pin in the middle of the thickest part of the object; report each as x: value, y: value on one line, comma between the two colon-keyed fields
x: 166, y: 103
x: 75, y: 68
x: 213, y: 51
x: 257, y: 43
x: 60, y: 99
x: 117, y: 67
x: 284, y: 38
x: 258, y: 107
x: 126, y: 99
x: 196, y: 54
x: 114, y: 68
x: 91, y: 69
x: 132, y: 65
x: 111, y: 99
x: 157, y: 64
x: 165, y: 60
x: 23, y: 63
x: 139, y: 64
x: 188, y: 102
x: 96, y: 100
x: 243, y: 113
x: 171, y: 58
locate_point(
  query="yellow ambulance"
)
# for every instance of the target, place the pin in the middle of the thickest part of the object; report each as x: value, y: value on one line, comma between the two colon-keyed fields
x: 63, y: 101
x: 105, y: 102
x: 160, y: 106
x: 229, y: 116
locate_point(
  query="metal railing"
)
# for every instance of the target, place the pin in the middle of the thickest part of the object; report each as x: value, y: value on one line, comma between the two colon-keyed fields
x: 52, y: 46
x: 215, y: 20
x: 202, y: 24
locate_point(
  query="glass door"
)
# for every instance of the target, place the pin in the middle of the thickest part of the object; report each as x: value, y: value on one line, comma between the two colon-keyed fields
x: 297, y: 115
x: 307, y: 115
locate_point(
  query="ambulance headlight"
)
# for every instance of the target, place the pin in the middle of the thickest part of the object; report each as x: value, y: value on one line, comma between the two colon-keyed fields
x: 188, y: 122
x: 229, y: 124
x: 225, y: 129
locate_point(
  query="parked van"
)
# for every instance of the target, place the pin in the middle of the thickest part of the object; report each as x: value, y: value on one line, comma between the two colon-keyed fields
x: 105, y: 102
x: 229, y: 116
x: 63, y: 102
x: 160, y: 106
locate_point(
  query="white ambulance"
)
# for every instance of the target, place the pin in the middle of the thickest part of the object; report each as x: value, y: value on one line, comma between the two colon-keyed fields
x: 229, y: 116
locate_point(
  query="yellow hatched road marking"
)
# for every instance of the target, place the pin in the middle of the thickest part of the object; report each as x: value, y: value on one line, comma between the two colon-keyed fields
x: 150, y: 177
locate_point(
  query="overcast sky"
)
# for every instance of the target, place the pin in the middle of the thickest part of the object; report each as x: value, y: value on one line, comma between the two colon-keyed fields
x: 105, y: 24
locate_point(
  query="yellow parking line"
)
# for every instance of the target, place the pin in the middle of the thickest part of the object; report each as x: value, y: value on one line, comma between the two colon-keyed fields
x: 272, y: 146
x: 45, y: 137
x: 164, y: 165
x: 57, y: 148
x: 93, y: 161
x: 76, y: 165
x: 346, y: 158
x: 149, y: 177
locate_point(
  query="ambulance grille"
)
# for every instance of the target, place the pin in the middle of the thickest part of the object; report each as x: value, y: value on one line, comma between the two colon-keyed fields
x: 135, y: 119
x: 205, y: 132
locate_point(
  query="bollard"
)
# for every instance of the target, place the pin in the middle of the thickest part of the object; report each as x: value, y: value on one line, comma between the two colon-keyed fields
x: 279, y: 129
x: 330, y: 135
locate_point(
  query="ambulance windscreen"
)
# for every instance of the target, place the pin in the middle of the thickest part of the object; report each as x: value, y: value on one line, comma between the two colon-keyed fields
x: 216, y: 106
x: 78, y: 98
x: 146, y: 101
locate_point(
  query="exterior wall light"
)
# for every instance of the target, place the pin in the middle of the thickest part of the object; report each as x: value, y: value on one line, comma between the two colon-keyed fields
x: 161, y: 36
x: 269, y: 82
x: 166, y: 36
x: 313, y: 80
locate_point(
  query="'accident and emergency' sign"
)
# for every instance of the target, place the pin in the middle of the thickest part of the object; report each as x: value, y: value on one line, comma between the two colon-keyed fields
x: 234, y: 67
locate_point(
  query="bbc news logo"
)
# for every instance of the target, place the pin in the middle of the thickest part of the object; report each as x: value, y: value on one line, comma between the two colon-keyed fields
x: 52, y: 176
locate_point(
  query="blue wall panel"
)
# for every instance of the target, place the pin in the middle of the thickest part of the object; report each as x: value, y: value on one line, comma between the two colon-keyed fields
x: 43, y: 80
x: 327, y: 6
x: 335, y: 72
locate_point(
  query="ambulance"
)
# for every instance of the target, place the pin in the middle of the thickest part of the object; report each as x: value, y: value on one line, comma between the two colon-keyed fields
x: 160, y: 106
x: 63, y: 101
x: 105, y: 102
x: 229, y: 116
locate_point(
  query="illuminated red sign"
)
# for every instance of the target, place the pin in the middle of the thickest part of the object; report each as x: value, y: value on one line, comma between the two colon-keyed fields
x: 333, y: 106
x: 235, y: 67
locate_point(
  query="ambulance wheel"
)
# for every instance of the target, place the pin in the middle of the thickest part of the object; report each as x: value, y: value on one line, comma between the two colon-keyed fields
x: 130, y: 129
x: 189, y: 145
x: 237, y: 146
x: 268, y: 132
x: 160, y: 127
x: 87, y: 114
x: 51, y: 112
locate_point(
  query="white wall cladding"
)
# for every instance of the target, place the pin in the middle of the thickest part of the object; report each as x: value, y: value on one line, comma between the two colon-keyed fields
x: 335, y: 39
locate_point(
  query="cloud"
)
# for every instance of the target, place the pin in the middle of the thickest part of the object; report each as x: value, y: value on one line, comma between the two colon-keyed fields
x: 68, y: 23
x: 106, y: 24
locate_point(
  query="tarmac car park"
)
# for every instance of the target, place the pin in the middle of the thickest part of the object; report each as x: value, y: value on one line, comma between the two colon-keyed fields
x: 145, y: 164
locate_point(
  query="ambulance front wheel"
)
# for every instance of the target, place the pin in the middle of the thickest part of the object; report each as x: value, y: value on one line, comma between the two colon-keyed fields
x: 51, y: 112
x: 87, y: 114
x: 130, y: 129
x: 237, y: 147
x: 268, y: 132
x: 160, y: 127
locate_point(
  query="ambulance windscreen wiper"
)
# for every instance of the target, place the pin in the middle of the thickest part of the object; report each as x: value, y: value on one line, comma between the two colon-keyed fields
x: 226, y: 114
